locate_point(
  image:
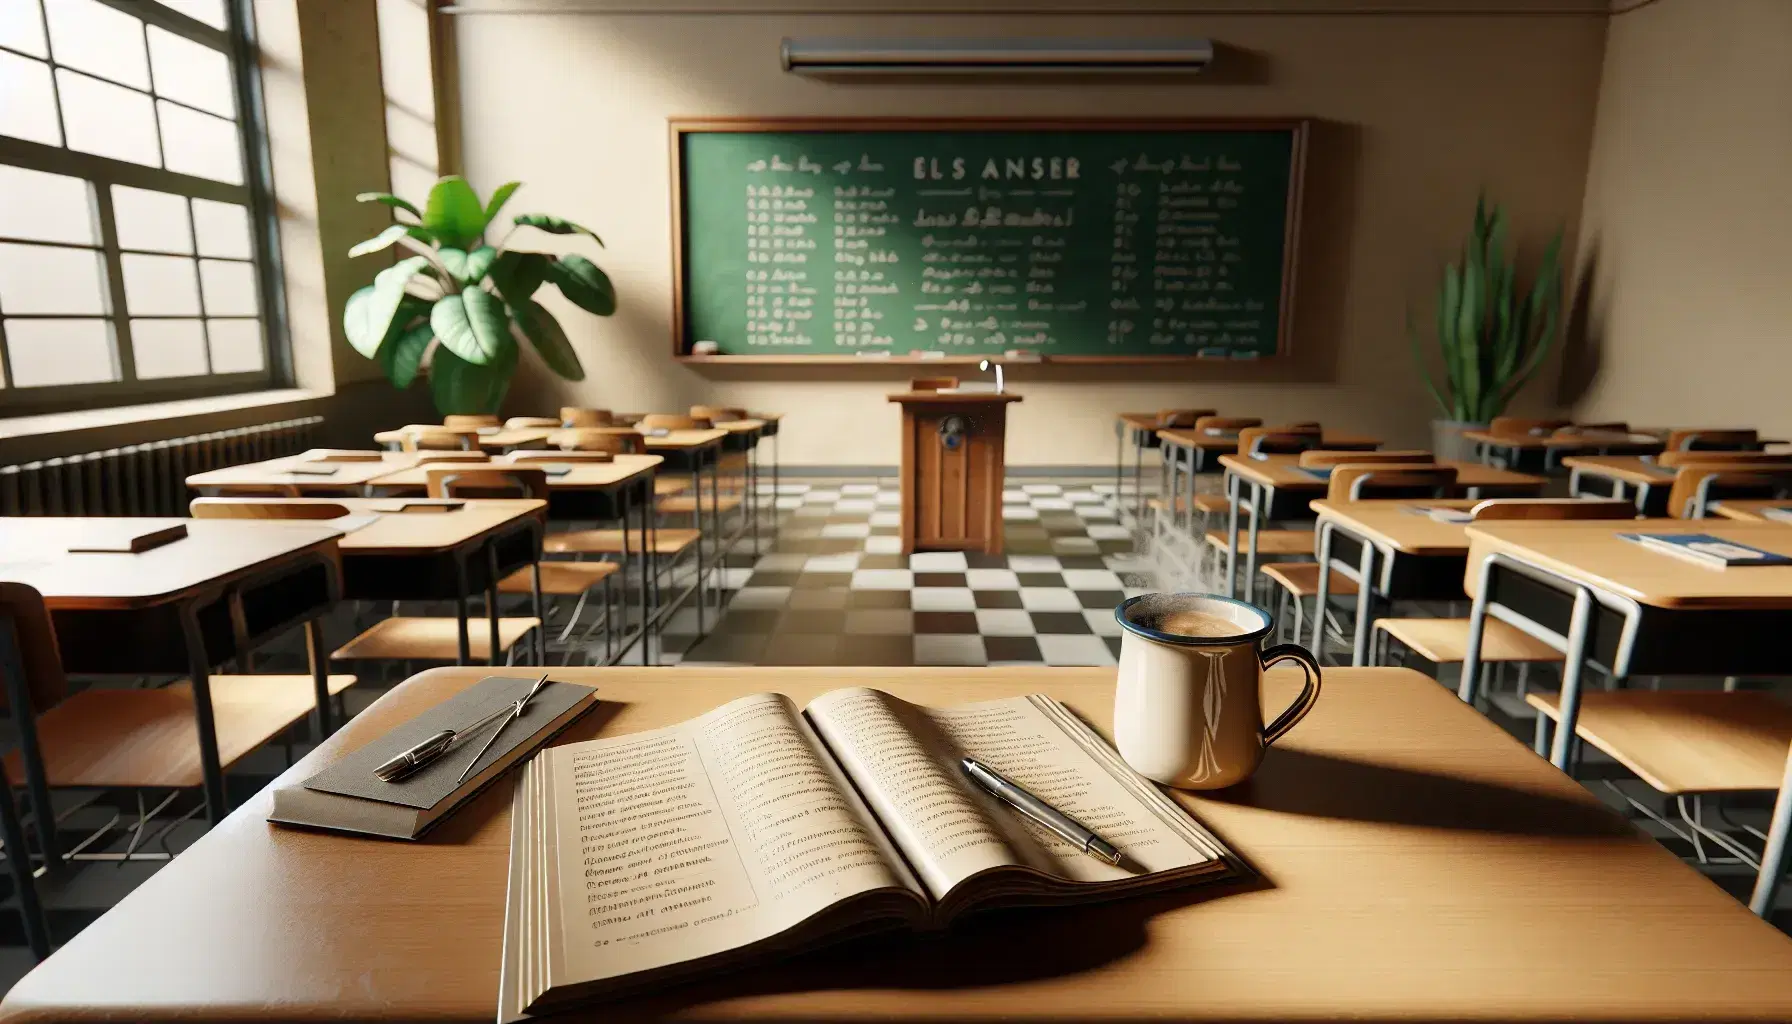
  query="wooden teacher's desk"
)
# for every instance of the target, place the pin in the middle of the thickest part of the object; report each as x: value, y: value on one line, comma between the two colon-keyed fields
x: 1413, y: 862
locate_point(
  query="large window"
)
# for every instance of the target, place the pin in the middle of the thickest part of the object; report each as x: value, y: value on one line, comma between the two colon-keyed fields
x: 135, y: 259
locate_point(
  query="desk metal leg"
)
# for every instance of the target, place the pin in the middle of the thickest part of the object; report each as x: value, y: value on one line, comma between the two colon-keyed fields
x: 1234, y: 488
x: 465, y: 652
x: 491, y: 599
x: 320, y: 674
x: 37, y: 775
x: 1322, y: 545
x: 1580, y: 625
x: 697, y: 521
x: 1365, y: 599
x: 751, y: 494
x: 1467, y: 686
x: 1250, y: 560
x: 650, y: 567
x: 210, y: 766
x: 1773, y: 859
x: 1120, y: 432
x: 1138, y: 476
x: 18, y: 857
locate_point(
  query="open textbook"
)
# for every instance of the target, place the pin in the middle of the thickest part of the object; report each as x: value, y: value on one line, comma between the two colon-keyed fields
x: 759, y: 828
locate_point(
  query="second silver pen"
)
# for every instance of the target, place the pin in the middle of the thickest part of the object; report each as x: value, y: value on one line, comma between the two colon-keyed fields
x: 1066, y: 827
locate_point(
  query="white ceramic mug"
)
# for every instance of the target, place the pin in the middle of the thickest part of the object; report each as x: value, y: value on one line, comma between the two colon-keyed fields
x: 1187, y: 709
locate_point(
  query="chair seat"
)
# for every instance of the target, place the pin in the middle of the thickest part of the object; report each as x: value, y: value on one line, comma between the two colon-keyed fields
x: 1206, y: 504
x: 1682, y: 741
x: 1302, y: 579
x: 148, y: 738
x: 670, y: 484
x: 433, y: 639
x: 559, y: 579
x: 609, y: 542
x: 1445, y: 641
x: 687, y: 503
x: 1269, y: 542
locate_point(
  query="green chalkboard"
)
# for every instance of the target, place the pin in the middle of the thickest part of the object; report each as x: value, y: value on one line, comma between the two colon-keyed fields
x: 897, y: 239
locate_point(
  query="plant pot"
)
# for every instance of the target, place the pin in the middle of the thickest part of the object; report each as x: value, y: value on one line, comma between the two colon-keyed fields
x: 1447, y: 441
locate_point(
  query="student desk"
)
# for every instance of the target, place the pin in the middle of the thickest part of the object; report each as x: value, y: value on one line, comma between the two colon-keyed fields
x: 1600, y: 598
x: 498, y: 440
x: 1140, y: 430
x: 1421, y: 559
x: 692, y: 450
x: 211, y: 597
x: 1414, y: 863
x: 1280, y: 489
x: 743, y: 437
x: 276, y: 474
x: 429, y: 555
x: 1753, y: 511
x: 1622, y: 474
x: 1201, y: 450
x: 1540, y: 453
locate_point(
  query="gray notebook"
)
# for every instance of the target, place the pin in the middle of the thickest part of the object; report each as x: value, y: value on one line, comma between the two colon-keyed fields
x: 348, y: 797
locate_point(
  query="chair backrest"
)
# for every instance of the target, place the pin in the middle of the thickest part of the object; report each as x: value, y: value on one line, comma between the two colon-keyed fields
x: 718, y: 413
x: 1520, y: 426
x: 573, y: 416
x: 1182, y: 417
x: 1705, y: 440
x: 594, y: 440
x: 438, y: 439
x: 487, y: 480
x: 1676, y: 459
x: 1226, y: 424
x: 549, y: 455
x: 1553, y: 508
x: 232, y: 508
x: 451, y: 456
x: 672, y: 421
x: 23, y: 606
x: 1695, y: 487
x: 932, y: 383
x: 530, y: 422
x: 339, y: 455
x: 1277, y: 440
x: 1360, y: 481
x: 1318, y: 457
x: 1593, y: 428
x: 468, y: 421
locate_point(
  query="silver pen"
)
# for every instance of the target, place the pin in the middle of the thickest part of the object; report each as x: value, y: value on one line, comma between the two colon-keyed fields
x: 1045, y: 814
x: 516, y: 712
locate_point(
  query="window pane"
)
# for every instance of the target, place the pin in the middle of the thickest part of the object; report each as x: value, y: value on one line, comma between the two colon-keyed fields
x: 107, y: 120
x: 95, y: 38
x: 229, y: 288
x: 191, y: 73
x: 159, y: 286
x: 29, y: 108
x: 42, y: 279
x: 236, y: 345
x: 209, y: 11
x: 223, y: 229
x: 151, y: 220
x: 201, y: 144
x: 47, y: 207
x: 22, y: 28
x: 168, y: 348
x: 46, y: 352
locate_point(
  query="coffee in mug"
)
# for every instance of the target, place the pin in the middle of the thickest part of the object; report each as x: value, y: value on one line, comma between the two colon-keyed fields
x: 1187, y: 711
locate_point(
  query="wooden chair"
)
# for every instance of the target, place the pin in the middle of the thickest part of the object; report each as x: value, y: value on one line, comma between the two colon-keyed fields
x: 1255, y: 441
x: 572, y: 416
x: 1612, y: 427
x: 672, y: 421
x: 471, y: 422
x: 932, y: 383
x: 1214, y: 426
x: 1445, y: 641
x: 596, y: 439
x: 531, y: 422
x: 1687, y: 745
x: 1520, y: 426
x: 1697, y: 486
x: 426, y: 457
x: 551, y: 455
x: 487, y: 480
x: 442, y: 439
x: 1356, y: 481
x: 134, y: 739
x: 1321, y: 459
x: 719, y: 413
x: 1703, y: 439
x: 235, y: 508
x: 1676, y: 459
x: 1167, y: 418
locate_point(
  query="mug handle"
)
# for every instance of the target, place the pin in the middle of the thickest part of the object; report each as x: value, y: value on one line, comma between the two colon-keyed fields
x: 1308, y: 696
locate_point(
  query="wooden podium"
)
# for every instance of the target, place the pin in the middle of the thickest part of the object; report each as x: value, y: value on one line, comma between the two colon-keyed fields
x: 952, y: 469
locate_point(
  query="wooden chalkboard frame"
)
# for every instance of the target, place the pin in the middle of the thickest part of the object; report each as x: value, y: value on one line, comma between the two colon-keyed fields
x: 679, y: 127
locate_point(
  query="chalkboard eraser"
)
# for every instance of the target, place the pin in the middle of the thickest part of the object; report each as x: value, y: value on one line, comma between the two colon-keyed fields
x: 705, y: 348
x: 931, y: 355
x: 1022, y: 355
x: 879, y: 354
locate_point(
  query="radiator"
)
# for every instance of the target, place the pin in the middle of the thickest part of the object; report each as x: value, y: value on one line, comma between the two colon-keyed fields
x: 143, y: 479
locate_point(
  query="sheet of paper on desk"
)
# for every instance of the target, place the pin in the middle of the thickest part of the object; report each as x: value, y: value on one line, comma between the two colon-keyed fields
x: 1442, y: 515
x: 1778, y: 515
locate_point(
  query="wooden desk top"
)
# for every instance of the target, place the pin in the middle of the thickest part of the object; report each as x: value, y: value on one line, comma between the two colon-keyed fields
x: 1751, y: 511
x: 514, y: 438
x: 953, y: 397
x: 685, y: 440
x: 583, y: 476
x: 741, y: 426
x: 404, y: 533
x: 1392, y: 523
x: 1633, y: 441
x: 1189, y: 437
x: 34, y: 551
x: 1628, y: 469
x: 277, y: 472
x: 1593, y: 553
x: 1283, y: 472
x: 1416, y: 863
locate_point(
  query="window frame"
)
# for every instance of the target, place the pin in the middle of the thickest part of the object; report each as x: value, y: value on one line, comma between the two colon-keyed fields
x: 237, y: 43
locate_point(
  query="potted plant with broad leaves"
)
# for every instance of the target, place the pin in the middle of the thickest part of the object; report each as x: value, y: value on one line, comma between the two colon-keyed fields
x: 1491, y: 340
x: 460, y: 308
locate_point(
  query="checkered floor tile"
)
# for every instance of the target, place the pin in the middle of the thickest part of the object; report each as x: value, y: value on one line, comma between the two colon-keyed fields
x: 834, y: 588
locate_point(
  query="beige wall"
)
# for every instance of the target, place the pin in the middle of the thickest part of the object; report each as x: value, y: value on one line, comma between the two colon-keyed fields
x: 1688, y: 222
x: 1416, y: 113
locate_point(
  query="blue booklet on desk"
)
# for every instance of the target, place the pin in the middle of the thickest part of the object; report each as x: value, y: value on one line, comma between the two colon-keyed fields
x: 1706, y: 550
x: 1317, y: 472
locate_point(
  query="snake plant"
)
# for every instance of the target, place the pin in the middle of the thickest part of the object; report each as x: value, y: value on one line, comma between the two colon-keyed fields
x: 1492, y: 341
x: 461, y: 307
